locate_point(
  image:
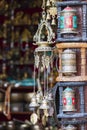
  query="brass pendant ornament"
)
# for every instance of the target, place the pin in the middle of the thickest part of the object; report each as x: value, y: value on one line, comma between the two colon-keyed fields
x: 43, y: 57
x: 51, y: 11
x: 34, y: 118
x: 44, y: 120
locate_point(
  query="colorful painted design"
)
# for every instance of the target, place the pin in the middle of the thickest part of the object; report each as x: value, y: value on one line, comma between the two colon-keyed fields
x: 74, y: 21
x: 62, y: 22
x: 73, y: 101
x: 68, y: 22
x: 64, y: 101
x: 69, y: 101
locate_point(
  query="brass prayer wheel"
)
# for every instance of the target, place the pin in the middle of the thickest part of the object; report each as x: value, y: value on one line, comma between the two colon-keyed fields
x: 70, y: 127
x: 69, y: 100
x: 68, y: 21
x: 68, y: 62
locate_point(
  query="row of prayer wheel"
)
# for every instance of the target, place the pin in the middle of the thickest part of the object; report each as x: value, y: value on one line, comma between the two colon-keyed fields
x: 68, y: 25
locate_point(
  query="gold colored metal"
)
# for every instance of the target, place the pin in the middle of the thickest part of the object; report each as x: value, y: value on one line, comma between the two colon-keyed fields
x: 34, y: 118
x: 53, y: 11
x: 44, y: 120
x: 44, y: 34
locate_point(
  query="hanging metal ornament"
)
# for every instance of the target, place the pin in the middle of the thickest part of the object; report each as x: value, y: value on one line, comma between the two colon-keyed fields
x: 70, y: 127
x: 48, y: 3
x: 43, y: 57
x: 52, y: 11
x: 44, y: 105
x: 69, y: 100
x: 44, y: 120
x: 48, y: 15
x: 68, y: 21
x: 39, y: 97
x: 44, y: 35
x: 34, y: 118
x: 33, y: 103
x: 49, y: 96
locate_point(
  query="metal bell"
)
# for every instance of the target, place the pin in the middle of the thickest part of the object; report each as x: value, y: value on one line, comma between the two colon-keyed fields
x: 39, y: 97
x: 68, y: 21
x: 70, y: 127
x: 33, y: 103
x: 69, y: 100
x: 44, y: 104
x: 48, y: 15
x: 53, y: 21
x: 48, y: 3
x: 50, y: 97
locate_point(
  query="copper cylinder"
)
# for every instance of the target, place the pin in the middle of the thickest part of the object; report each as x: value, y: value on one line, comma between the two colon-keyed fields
x: 68, y: 62
x: 69, y: 100
x: 68, y: 21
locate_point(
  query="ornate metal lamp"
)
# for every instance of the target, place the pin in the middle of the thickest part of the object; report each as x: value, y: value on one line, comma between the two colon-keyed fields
x: 44, y: 38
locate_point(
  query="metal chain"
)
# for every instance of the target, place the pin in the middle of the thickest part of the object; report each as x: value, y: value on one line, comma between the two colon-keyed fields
x: 43, y: 5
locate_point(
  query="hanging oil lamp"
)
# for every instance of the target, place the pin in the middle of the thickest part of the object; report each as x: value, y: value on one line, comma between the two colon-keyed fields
x: 68, y: 62
x: 43, y: 38
x: 68, y: 21
x: 69, y: 100
x: 70, y: 127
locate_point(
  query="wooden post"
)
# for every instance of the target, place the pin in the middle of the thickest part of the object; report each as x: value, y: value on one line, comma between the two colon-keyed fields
x: 83, y: 61
x: 60, y: 63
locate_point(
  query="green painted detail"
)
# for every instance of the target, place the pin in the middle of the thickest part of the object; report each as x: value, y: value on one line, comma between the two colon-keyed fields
x: 74, y: 21
x: 68, y: 89
x: 61, y: 22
